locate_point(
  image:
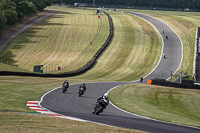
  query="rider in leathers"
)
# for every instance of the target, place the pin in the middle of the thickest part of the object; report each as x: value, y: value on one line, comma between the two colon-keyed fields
x: 105, y: 96
x: 67, y: 83
x: 82, y: 86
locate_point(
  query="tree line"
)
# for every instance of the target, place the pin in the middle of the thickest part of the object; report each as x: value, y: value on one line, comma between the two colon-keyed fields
x: 14, y: 10
x: 193, y: 4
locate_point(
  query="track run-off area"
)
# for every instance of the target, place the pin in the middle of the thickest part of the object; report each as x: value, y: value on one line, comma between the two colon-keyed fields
x: 69, y: 105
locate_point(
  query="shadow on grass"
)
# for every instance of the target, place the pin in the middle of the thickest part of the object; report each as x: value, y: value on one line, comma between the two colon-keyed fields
x: 24, y: 38
x: 49, y: 22
x: 7, y: 58
x: 55, y: 24
x: 18, y: 43
x: 64, y: 12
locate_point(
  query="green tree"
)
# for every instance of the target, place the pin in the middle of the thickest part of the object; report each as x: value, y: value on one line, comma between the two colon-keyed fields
x: 25, y: 7
x: 10, y: 12
x: 2, y: 14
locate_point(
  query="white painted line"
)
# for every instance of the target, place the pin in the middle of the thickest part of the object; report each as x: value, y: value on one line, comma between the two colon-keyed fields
x: 33, y: 101
x: 32, y: 105
x: 35, y: 108
x: 47, y: 112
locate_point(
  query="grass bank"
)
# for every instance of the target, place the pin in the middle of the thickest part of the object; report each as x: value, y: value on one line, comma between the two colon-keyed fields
x: 20, y: 123
x: 134, y: 52
x: 62, y: 39
x: 174, y: 105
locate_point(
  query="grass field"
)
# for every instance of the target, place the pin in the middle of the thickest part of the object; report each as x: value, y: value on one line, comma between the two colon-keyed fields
x: 121, y: 61
x: 58, y: 41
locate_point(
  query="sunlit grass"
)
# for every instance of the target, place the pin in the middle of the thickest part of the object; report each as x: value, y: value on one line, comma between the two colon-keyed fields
x: 174, y: 105
x: 134, y: 51
x: 58, y: 40
x: 30, y: 123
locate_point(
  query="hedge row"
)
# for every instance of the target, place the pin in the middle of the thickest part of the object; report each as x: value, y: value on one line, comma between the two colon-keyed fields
x: 79, y: 71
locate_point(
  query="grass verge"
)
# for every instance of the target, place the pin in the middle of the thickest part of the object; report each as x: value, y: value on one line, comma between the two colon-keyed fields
x: 20, y: 123
x: 181, y: 106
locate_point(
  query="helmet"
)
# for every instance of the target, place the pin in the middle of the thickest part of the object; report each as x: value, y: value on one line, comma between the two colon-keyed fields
x: 83, y: 83
x: 105, y: 95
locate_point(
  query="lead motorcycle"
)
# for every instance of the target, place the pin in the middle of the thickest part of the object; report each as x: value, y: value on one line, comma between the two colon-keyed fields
x: 100, y: 106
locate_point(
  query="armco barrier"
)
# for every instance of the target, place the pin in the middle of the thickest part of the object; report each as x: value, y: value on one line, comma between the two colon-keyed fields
x: 80, y: 70
x: 185, y: 84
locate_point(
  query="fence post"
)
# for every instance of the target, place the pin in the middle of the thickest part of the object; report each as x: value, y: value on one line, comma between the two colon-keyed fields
x: 171, y: 75
x: 180, y: 77
x: 160, y: 74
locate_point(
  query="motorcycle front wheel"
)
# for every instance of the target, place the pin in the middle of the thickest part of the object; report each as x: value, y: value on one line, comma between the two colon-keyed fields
x: 63, y: 89
x: 80, y: 93
x: 99, y: 110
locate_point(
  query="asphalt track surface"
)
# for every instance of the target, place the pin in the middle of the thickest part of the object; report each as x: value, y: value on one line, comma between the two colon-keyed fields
x: 69, y: 104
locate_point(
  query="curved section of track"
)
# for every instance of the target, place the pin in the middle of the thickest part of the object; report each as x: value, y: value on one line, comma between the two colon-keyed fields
x: 69, y: 104
x: 172, y: 48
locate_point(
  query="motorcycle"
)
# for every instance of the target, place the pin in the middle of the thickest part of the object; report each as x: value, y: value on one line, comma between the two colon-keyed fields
x: 100, y: 106
x: 64, y: 88
x: 81, y: 91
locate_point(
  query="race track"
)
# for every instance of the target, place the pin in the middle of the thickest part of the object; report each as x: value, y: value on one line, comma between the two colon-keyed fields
x: 69, y: 104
